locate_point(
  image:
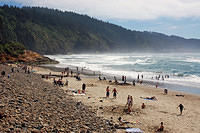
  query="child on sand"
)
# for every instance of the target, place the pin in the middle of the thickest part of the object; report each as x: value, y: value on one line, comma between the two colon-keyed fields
x: 143, y: 106
x: 165, y: 91
x: 114, y: 93
x: 161, y: 127
x: 107, y: 92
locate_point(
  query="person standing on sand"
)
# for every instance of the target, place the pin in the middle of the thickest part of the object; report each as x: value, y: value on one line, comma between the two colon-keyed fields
x: 107, y: 92
x: 83, y: 88
x: 114, y: 93
x: 181, y: 108
x: 129, y: 103
x: 67, y: 82
x: 71, y: 73
x: 133, y: 82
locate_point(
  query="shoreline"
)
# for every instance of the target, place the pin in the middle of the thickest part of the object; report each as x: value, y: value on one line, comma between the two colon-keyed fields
x: 149, y: 83
x: 164, y: 109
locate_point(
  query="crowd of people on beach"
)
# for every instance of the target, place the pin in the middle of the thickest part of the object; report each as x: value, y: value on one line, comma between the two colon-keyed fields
x: 67, y: 73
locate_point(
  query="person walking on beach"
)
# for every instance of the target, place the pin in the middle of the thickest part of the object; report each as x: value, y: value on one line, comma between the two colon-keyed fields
x: 181, y: 108
x: 114, y: 93
x: 107, y: 92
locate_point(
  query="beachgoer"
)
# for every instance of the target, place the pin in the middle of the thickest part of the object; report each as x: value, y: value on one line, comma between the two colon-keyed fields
x: 83, y: 88
x: 29, y: 71
x: 161, y: 127
x: 156, y: 85
x: 138, y: 77
x: 181, y: 108
x: 3, y: 73
x: 133, y: 82
x: 12, y: 69
x: 165, y: 91
x: 104, y: 78
x: 100, y: 78
x: 60, y: 83
x: 67, y: 82
x: 143, y: 106
x: 124, y: 79
x: 115, y: 79
x: 107, y: 92
x: 71, y: 73
x: 129, y: 103
x: 150, y: 98
x: 114, y: 93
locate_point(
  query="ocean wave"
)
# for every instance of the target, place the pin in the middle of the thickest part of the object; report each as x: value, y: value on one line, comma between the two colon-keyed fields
x: 193, y: 60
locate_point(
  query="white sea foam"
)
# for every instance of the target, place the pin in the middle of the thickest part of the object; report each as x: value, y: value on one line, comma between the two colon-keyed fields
x: 124, y: 64
x: 192, y: 59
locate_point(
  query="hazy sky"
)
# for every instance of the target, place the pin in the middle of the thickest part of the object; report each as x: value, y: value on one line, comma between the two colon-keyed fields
x: 177, y: 17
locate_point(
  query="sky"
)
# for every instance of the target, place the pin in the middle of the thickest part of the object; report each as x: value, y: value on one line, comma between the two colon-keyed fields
x: 171, y: 17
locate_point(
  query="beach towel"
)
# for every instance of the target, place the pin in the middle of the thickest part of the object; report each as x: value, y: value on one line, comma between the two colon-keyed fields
x: 134, y: 130
x: 71, y: 89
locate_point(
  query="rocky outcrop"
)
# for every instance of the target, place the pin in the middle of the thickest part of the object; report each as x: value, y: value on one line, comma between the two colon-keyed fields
x: 28, y: 57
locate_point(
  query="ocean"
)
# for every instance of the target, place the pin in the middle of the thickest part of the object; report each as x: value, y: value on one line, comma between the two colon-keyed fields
x: 183, y: 69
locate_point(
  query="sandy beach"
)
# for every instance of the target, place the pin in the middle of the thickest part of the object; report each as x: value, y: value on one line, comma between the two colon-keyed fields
x: 164, y: 109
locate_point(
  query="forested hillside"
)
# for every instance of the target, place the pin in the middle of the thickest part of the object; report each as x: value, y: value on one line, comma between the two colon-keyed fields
x: 50, y: 31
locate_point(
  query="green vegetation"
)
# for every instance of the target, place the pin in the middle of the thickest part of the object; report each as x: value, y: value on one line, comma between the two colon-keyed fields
x: 49, y: 31
x: 12, y: 48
